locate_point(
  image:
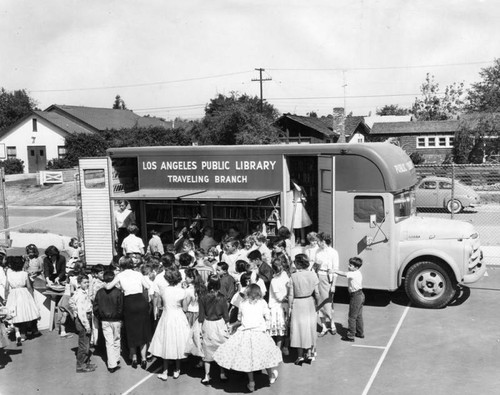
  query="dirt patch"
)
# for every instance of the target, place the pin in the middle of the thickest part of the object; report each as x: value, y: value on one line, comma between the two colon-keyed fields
x: 22, y: 194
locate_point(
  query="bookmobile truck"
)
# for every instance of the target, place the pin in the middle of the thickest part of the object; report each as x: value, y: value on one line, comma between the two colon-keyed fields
x: 361, y: 194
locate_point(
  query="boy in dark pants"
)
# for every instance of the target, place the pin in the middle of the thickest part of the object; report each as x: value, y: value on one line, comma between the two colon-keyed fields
x: 227, y: 282
x: 82, y: 308
x: 108, y: 308
x: 357, y: 299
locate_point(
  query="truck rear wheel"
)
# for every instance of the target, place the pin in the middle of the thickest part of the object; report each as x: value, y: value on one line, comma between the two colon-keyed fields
x: 429, y: 285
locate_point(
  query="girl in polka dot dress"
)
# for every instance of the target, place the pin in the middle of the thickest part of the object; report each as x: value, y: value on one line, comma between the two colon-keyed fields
x: 251, y: 348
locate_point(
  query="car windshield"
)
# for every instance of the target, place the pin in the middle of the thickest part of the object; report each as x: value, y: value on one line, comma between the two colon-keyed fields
x: 404, y: 205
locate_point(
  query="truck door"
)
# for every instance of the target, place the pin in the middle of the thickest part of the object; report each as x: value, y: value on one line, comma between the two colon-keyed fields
x: 363, y: 228
x: 96, y: 210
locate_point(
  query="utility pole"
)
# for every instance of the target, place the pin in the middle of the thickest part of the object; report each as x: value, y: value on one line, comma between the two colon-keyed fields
x: 260, y: 79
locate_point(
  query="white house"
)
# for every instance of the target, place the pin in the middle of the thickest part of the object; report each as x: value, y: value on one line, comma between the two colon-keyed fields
x: 41, y: 135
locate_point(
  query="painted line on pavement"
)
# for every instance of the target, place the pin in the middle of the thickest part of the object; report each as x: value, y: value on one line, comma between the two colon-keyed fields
x: 140, y: 382
x: 38, y: 220
x: 386, y: 350
x: 360, y: 345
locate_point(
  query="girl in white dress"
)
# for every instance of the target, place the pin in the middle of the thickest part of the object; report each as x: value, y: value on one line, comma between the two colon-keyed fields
x: 251, y: 348
x: 278, y: 302
x: 19, y: 294
x: 196, y: 289
x: 172, y: 333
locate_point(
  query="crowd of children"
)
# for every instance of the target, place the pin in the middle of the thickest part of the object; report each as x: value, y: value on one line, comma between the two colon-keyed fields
x: 239, y: 304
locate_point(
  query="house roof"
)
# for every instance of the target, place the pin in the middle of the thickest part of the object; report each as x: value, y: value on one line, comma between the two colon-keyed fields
x: 386, y: 118
x: 106, y: 118
x: 417, y: 127
x: 352, y: 123
x: 318, y: 124
x: 64, y: 123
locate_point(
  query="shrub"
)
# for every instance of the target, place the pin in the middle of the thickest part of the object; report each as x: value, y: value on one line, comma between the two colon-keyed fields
x: 12, y: 166
x: 62, y: 163
x: 417, y: 158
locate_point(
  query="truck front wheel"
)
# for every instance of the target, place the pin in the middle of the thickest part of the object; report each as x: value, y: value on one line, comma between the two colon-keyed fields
x: 429, y: 285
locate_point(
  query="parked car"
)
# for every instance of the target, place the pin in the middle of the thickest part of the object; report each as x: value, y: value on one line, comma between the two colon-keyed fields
x: 436, y: 192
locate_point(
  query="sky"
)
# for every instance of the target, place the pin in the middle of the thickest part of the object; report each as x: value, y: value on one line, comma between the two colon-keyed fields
x: 169, y: 58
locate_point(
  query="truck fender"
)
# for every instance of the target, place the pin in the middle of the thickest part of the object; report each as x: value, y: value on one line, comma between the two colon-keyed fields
x: 430, y: 254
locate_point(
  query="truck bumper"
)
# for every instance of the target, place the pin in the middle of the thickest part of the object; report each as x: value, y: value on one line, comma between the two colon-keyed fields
x: 476, y: 273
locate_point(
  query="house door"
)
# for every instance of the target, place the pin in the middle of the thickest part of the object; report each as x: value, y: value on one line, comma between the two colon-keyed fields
x: 37, y: 158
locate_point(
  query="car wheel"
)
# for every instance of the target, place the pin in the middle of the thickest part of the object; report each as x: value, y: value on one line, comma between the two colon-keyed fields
x: 454, y: 206
x: 429, y: 285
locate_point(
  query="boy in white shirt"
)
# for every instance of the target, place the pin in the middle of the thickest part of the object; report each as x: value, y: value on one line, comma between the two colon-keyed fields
x: 82, y: 308
x: 357, y: 299
x: 133, y: 244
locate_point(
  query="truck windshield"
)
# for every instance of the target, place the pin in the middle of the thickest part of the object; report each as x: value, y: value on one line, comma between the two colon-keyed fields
x: 404, y: 205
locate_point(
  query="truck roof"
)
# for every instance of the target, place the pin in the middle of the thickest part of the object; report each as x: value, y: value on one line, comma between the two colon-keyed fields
x: 395, y: 166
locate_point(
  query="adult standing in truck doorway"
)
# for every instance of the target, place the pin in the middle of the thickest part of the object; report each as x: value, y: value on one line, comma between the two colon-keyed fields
x: 300, y: 218
x: 124, y: 217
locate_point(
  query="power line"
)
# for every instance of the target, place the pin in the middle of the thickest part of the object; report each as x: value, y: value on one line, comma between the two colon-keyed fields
x: 381, y: 68
x: 347, y: 97
x: 140, y: 85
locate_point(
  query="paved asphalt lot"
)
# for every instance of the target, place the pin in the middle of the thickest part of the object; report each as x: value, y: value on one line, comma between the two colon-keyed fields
x: 407, y: 350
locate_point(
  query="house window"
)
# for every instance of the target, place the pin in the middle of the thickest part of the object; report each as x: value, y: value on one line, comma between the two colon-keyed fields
x: 35, y: 125
x: 11, y: 152
x: 435, y: 142
x: 61, y: 152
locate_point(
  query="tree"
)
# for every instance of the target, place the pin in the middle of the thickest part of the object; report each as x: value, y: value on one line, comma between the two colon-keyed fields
x: 478, y: 136
x: 14, y: 106
x: 392, y: 109
x: 84, y: 145
x: 434, y: 106
x: 237, y: 119
x: 484, y: 96
x: 119, y: 103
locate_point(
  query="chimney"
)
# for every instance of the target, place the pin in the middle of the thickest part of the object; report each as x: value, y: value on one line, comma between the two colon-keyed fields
x: 339, y: 123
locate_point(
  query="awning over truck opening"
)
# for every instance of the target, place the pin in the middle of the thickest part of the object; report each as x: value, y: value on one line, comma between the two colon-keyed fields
x: 158, y: 194
x: 231, y: 195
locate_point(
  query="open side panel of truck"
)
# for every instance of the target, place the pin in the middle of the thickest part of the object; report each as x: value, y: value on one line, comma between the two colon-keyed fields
x: 326, y: 195
x: 96, y: 210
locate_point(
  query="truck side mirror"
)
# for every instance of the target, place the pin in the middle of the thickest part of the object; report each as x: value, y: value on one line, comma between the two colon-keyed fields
x: 373, y: 220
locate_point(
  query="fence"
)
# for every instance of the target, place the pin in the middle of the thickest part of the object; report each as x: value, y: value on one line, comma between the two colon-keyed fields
x: 433, y: 196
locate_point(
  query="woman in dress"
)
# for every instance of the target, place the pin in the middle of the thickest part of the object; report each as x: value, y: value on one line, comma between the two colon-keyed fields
x: 251, y: 348
x: 300, y: 218
x: 54, y: 266
x: 172, y: 333
x: 327, y: 261
x: 302, y: 295
x: 19, y: 294
x: 135, y: 309
x: 213, y: 317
